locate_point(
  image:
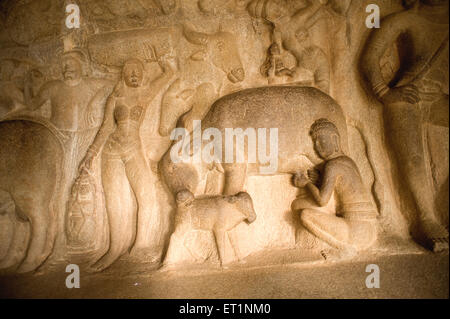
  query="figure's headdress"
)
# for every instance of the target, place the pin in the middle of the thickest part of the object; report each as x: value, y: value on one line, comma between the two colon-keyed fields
x: 134, y: 61
x: 323, y: 125
x: 81, y: 57
x: 77, y: 54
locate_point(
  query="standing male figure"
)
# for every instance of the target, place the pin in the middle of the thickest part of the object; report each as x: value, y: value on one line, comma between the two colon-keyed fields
x: 76, y: 111
x: 413, y: 98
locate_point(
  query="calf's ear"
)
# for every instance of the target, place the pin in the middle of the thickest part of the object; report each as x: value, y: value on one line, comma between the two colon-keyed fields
x: 185, y: 197
x: 199, y: 55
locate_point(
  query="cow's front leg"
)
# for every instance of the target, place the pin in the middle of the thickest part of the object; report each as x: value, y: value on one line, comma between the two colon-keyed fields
x: 234, y: 178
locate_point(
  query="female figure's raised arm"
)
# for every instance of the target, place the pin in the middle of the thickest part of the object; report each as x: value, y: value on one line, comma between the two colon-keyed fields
x: 156, y: 85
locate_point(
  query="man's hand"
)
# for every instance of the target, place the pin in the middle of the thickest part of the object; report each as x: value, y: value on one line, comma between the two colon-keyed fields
x: 301, y: 180
x: 314, y: 176
x: 408, y: 93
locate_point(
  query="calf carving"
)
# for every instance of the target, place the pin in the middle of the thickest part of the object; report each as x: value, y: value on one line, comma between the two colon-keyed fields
x: 218, y: 214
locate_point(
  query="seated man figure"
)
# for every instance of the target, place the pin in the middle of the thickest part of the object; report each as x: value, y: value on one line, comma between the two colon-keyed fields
x: 353, y: 227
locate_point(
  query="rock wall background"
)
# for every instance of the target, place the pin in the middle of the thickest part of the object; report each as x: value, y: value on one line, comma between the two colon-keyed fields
x: 33, y: 36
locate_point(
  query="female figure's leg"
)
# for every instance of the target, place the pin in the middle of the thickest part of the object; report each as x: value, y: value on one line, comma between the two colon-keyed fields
x: 121, y: 215
x: 150, y: 235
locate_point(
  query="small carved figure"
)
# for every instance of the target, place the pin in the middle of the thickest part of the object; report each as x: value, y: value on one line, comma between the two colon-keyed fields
x: 123, y: 160
x: 418, y: 90
x: 291, y: 31
x: 219, y: 214
x: 353, y: 227
x: 310, y: 57
x: 185, y: 96
x: 81, y: 223
x: 274, y: 67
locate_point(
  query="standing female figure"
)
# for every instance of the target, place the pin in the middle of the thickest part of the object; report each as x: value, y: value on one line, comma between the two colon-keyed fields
x: 123, y: 160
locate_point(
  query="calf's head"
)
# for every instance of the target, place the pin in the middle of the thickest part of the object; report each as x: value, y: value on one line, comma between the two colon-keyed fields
x: 245, y: 204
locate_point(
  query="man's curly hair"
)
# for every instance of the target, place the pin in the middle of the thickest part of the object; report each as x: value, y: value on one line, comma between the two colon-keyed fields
x: 323, y: 124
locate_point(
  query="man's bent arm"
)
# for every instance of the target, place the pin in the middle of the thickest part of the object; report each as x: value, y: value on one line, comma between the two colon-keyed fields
x: 33, y: 103
x: 380, y: 40
x: 323, y: 195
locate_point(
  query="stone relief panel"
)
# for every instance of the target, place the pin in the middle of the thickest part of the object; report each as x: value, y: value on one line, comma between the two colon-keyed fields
x: 333, y: 131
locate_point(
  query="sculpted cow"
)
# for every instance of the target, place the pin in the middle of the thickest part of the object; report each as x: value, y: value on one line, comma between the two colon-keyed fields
x: 31, y: 159
x: 292, y: 110
x: 201, y: 78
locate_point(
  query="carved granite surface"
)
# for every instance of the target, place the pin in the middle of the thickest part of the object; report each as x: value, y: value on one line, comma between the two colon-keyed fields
x: 340, y: 145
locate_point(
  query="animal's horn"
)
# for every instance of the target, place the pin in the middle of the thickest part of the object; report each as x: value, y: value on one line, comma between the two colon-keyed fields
x: 194, y: 36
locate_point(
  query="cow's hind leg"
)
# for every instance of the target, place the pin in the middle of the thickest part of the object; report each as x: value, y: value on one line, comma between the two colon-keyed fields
x: 42, y: 233
x: 15, y: 252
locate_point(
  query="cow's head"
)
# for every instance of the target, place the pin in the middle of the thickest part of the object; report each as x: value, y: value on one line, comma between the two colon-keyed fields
x: 221, y: 48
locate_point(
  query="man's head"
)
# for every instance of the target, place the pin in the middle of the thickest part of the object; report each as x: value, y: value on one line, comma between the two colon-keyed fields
x: 133, y: 73
x: 73, y: 65
x: 326, y: 138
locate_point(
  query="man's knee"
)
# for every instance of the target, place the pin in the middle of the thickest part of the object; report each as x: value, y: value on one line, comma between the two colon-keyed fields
x: 309, y: 217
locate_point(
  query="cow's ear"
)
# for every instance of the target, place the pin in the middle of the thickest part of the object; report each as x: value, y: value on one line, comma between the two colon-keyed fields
x: 199, y: 55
